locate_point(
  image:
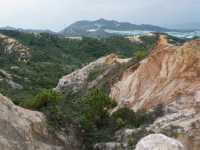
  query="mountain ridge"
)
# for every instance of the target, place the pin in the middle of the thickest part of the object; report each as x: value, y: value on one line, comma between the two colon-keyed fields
x: 101, y: 28
x: 98, y: 27
x: 81, y: 27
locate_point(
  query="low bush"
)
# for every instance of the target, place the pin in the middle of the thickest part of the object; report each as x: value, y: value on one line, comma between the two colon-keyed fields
x: 126, y: 118
x: 90, y: 112
x: 95, y: 120
x: 42, y: 100
x: 48, y: 101
x: 140, y: 55
x: 96, y: 114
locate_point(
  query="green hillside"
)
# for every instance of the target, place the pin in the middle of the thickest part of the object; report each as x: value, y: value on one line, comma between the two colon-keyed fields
x: 53, y: 56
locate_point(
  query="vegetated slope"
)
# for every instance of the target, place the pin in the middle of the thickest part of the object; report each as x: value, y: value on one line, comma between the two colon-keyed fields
x: 53, y: 56
x: 93, y: 116
x: 98, y: 28
x: 85, y: 103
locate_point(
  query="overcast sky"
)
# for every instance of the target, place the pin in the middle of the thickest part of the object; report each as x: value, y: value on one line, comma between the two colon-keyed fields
x: 57, y: 14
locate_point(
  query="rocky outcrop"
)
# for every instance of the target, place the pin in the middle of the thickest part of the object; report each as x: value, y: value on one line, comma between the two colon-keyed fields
x: 8, y: 79
x: 169, y: 76
x: 10, y: 46
x: 93, y: 73
x: 184, y: 125
x: 22, y: 129
x: 159, y: 142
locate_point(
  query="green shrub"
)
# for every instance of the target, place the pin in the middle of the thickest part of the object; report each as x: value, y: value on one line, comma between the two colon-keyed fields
x: 90, y: 113
x: 98, y: 104
x: 56, y: 118
x: 42, y: 100
x: 140, y: 55
x: 48, y: 102
x: 125, y: 117
x: 120, y: 123
x: 95, y: 118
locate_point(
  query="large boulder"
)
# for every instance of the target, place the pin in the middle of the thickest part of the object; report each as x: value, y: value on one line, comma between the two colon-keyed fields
x: 22, y: 129
x: 159, y: 142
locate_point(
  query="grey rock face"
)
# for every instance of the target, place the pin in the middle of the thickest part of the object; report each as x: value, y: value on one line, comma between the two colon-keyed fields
x: 14, y: 85
x: 8, y: 78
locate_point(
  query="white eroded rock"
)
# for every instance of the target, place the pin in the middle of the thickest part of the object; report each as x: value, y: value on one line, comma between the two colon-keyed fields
x: 79, y: 78
x: 159, y: 142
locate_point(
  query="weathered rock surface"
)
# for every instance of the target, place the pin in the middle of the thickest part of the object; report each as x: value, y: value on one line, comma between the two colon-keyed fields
x: 169, y: 76
x: 101, y: 68
x: 12, y: 47
x: 22, y: 129
x: 159, y: 142
x: 184, y: 125
x: 169, y: 73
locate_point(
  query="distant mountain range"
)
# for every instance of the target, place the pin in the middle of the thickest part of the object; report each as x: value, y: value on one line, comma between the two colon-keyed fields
x: 102, y: 27
x: 27, y: 30
x: 106, y: 28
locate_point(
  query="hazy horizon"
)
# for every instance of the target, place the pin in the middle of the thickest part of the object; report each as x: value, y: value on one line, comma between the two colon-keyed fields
x: 58, y: 14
